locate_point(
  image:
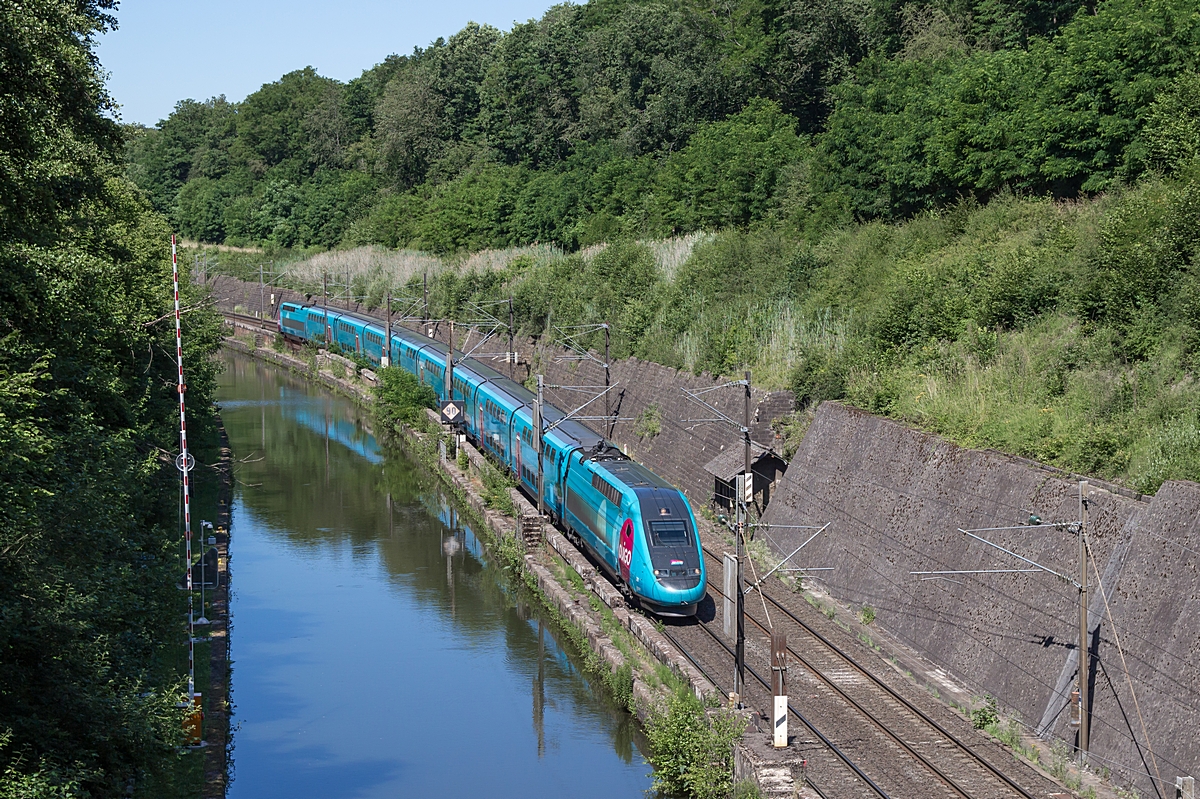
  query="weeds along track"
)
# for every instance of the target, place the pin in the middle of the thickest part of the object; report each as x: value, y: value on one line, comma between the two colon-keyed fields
x: 903, y: 749
x: 824, y: 756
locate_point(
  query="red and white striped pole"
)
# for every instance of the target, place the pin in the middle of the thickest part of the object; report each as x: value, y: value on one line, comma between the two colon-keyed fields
x: 183, y: 467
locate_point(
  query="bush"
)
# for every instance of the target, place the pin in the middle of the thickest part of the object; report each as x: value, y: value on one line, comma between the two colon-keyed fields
x: 648, y: 423
x: 986, y: 714
x: 400, y: 398
x: 691, y: 749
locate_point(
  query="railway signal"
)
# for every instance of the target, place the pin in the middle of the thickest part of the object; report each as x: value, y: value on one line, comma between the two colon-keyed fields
x: 779, y: 688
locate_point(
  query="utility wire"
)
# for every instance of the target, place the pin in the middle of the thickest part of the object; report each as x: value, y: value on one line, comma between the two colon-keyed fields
x: 1124, y: 665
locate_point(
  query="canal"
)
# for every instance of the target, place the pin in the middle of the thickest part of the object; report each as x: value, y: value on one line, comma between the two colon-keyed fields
x: 376, y: 651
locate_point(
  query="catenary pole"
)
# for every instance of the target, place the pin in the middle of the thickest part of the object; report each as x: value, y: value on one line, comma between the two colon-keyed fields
x: 448, y: 384
x: 537, y: 423
x: 607, y: 412
x: 743, y: 521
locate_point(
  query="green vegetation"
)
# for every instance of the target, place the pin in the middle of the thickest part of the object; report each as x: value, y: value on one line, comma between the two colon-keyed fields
x: 400, y: 398
x: 634, y: 118
x: 497, y: 488
x: 976, y: 216
x: 692, y: 749
x: 649, y: 422
x: 91, y: 626
x: 986, y: 714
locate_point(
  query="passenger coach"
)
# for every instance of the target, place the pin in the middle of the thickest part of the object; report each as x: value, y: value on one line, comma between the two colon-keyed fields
x: 635, y: 525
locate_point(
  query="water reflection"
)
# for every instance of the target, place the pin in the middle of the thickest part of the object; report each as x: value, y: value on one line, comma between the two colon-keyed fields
x: 376, y: 650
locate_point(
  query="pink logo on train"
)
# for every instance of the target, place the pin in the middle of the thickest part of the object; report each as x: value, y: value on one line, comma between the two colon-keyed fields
x: 625, y: 548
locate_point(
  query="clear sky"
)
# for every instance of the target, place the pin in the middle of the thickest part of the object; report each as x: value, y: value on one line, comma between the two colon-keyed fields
x: 168, y: 50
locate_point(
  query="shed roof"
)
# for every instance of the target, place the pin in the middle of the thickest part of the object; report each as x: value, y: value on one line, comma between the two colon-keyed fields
x: 732, y: 461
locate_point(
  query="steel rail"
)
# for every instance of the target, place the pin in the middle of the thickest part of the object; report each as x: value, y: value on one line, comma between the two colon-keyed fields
x: 850, y: 661
x: 803, y: 719
x: 683, y: 651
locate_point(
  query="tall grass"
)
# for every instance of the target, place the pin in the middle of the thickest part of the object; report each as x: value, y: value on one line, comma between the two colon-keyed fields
x: 1065, y: 332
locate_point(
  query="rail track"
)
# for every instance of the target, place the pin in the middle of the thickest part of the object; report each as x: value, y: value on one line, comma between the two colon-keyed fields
x: 910, y: 753
x: 251, y: 322
x: 849, y: 770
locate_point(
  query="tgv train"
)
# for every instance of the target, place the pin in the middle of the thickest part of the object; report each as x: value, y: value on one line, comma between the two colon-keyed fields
x: 637, y: 527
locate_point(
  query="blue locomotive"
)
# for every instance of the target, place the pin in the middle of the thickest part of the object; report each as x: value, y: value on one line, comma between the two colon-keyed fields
x: 637, y: 527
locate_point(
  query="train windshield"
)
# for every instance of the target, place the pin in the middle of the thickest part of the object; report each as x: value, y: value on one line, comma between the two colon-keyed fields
x: 670, y: 533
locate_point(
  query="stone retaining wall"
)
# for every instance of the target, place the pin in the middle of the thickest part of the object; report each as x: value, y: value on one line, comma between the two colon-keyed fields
x: 895, y: 499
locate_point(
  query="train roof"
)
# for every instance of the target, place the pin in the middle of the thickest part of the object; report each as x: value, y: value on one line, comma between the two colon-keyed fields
x: 635, y: 475
x: 572, y: 430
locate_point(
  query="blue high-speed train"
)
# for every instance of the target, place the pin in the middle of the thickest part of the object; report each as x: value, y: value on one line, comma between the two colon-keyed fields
x: 637, y: 527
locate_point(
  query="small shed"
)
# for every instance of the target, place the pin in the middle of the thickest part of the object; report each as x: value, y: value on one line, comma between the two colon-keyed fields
x: 766, y: 465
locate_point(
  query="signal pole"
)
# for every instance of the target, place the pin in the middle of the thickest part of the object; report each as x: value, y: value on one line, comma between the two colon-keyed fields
x: 325, y: 306
x: 510, y: 356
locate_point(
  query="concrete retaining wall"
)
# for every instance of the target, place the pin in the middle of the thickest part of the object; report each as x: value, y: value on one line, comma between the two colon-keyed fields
x: 895, y: 498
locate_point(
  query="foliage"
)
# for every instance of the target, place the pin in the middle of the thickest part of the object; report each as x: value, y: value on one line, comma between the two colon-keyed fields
x: 592, y: 123
x: 649, y: 422
x: 400, y: 398
x: 691, y: 749
x: 986, y: 714
x: 497, y: 488
x: 88, y: 425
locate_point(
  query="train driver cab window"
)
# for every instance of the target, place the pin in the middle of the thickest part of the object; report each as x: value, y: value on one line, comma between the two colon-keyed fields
x: 668, y: 533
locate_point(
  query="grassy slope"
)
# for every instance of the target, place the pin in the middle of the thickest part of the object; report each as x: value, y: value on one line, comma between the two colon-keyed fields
x: 1063, y: 332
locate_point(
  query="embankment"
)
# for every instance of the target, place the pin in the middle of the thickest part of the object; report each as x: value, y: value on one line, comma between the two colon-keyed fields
x: 896, y: 498
x: 216, y: 695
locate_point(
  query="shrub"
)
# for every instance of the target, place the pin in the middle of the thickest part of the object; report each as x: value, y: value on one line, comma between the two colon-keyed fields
x: 691, y: 749
x: 399, y: 397
x: 648, y: 423
x: 986, y: 714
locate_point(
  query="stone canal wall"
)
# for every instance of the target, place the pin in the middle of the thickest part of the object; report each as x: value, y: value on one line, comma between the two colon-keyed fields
x: 895, y: 499
x: 605, y: 623
x: 216, y: 695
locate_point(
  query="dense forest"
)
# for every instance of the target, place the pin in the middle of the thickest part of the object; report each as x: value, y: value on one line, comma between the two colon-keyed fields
x: 978, y: 216
x: 91, y: 625
x: 623, y: 118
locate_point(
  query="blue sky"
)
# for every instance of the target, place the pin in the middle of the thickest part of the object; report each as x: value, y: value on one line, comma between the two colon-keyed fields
x: 168, y: 50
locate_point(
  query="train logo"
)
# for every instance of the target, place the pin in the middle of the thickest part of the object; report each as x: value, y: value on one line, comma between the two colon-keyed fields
x: 625, y: 548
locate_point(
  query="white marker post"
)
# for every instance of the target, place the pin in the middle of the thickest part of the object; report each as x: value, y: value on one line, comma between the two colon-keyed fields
x: 779, y: 688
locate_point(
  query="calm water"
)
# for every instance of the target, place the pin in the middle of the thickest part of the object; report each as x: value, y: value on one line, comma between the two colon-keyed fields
x: 376, y: 652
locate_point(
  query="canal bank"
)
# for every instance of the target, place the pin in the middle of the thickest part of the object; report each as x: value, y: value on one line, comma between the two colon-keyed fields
x: 381, y: 647
x: 629, y: 651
